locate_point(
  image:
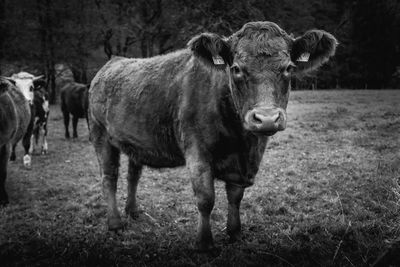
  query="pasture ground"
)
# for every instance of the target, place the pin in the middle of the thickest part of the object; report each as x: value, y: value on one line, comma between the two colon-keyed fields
x: 327, y: 194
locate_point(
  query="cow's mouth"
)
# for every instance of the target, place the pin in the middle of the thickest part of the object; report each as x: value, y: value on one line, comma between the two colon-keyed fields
x: 264, y: 133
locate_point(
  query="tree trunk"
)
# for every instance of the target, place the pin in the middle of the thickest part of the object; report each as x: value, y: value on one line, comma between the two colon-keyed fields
x: 143, y: 47
x: 2, y: 30
x: 47, y: 46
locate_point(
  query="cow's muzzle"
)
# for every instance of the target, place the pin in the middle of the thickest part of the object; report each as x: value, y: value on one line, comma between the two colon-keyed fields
x: 265, y: 121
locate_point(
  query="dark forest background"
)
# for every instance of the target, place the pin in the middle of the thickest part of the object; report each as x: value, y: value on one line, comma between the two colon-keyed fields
x: 36, y: 35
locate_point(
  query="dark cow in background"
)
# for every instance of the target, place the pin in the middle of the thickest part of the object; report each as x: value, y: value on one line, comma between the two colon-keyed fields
x: 30, y: 85
x: 15, y: 117
x: 211, y: 106
x: 74, y: 101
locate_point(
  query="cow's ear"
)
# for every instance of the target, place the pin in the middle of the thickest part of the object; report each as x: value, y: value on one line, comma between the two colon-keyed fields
x: 4, y: 84
x: 212, y: 49
x: 39, y: 83
x: 10, y: 79
x: 312, y: 50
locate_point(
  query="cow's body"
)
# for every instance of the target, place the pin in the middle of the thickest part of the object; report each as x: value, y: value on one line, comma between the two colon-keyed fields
x: 166, y: 111
x: 33, y: 89
x: 211, y: 107
x: 14, y: 120
x: 74, y: 101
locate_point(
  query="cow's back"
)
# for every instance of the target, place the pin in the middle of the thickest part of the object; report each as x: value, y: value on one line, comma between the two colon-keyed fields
x: 74, y: 99
x: 137, y: 102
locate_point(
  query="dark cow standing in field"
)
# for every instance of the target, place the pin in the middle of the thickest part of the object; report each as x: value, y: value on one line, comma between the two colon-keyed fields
x: 32, y: 88
x: 211, y: 106
x: 74, y: 100
x: 15, y: 116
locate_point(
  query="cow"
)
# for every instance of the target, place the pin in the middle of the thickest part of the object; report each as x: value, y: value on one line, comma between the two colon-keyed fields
x: 27, y: 83
x: 15, y: 116
x: 211, y: 106
x: 74, y: 101
x: 41, y: 111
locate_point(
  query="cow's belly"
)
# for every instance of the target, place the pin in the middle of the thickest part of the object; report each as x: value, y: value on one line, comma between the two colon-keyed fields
x: 156, y: 157
x: 155, y: 146
x: 76, y: 110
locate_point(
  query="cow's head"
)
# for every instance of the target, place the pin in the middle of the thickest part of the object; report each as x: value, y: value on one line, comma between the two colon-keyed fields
x: 41, y: 99
x: 262, y: 58
x: 27, y: 83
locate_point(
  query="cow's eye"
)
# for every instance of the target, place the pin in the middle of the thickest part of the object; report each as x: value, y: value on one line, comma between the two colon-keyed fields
x: 236, y: 69
x: 31, y: 89
x: 289, y: 69
x: 237, y: 72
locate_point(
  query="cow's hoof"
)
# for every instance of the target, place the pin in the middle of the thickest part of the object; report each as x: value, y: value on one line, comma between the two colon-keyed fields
x: 27, y: 161
x: 205, y: 248
x: 13, y: 157
x: 44, y: 152
x: 133, y: 212
x: 236, y: 237
x: 3, y: 200
x: 115, y: 224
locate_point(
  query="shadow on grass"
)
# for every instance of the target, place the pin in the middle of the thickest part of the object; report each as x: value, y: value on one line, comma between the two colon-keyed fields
x: 312, y: 245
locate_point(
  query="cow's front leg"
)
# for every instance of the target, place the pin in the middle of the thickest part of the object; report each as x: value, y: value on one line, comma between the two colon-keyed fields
x: 134, y: 172
x: 235, y: 195
x: 203, y: 187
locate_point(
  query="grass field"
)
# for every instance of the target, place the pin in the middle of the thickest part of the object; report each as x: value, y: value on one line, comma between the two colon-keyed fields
x: 327, y: 194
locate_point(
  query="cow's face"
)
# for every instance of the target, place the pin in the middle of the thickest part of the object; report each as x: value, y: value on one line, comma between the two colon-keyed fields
x: 42, y: 99
x: 26, y: 83
x: 265, y: 59
x: 262, y: 58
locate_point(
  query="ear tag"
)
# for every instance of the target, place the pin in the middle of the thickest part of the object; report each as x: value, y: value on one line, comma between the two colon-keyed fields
x: 304, y: 57
x: 218, y: 60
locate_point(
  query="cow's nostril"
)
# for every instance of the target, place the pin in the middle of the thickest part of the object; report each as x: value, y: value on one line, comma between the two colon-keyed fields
x: 278, y: 116
x: 256, y: 119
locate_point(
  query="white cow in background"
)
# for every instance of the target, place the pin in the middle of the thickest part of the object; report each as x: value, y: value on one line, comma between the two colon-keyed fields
x: 32, y: 87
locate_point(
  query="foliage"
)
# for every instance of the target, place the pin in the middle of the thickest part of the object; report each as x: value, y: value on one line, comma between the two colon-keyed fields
x: 84, y: 34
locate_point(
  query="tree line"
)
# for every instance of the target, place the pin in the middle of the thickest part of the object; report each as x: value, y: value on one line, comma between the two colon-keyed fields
x: 37, y: 34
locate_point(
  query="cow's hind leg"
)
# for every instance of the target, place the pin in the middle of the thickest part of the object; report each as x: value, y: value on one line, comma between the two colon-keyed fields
x: 13, y: 156
x: 44, y: 138
x: 75, y: 126
x: 4, y: 154
x: 235, y: 195
x: 108, y: 156
x: 66, y: 123
x: 110, y: 161
x: 134, y: 172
